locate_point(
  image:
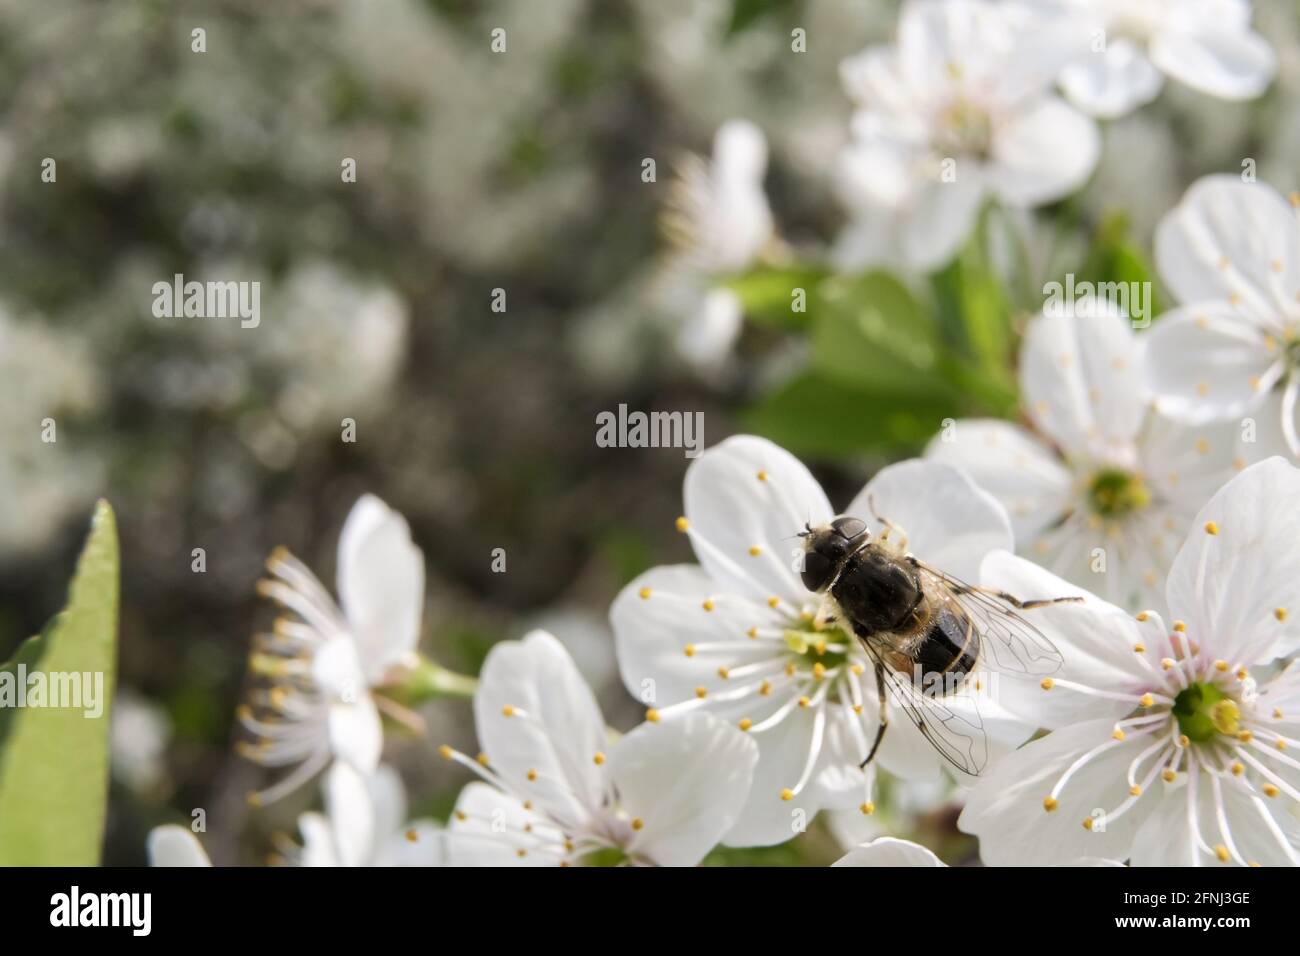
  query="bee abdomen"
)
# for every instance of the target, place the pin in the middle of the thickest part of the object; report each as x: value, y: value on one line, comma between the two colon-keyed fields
x: 948, y: 651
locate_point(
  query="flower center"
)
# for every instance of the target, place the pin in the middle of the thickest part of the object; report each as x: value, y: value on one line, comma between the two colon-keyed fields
x: 811, y: 648
x: 964, y: 130
x: 1204, y: 711
x: 1114, y: 493
x: 605, y: 856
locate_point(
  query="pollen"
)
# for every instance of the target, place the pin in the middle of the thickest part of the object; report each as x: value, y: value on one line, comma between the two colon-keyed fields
x: 752, y: 633
x: 708, y: 604
x: 1050, y: 804
x: 773, y: 601
x: 1146, y: 700
x: 1242, y: 673
x: 762, y: 476
x: 701, y: 692
x: 1047, y: 683
x: 820, y: 648
x: 1245, y: 736
x: 790, y: 669
x: 254, y: 799
x: 1221, y: 852
x: 412, y: 836
x: 1280, y: 613
x: 532, y: 776
x: 723, y: 673
x: 1221, y: 666
x: 867, y: 808
x: 787, y: 794
x: 637, y: 823
x: 445, y: 752
x: 1181, y: 626
x: 1169, y: 776
x: 819, y: 670
x: 507, y: 711
x: 1139, y: 648
x: 765, y: 688
x: 858, y: 669
x: 1135, y: 791
x: 1202, y: 388
x: 652, y: 715
x: 461, y: 815
x: 1184, y: 741
x: 1281, y: 744
x: 1211, y: 528
x: 1118, y: 734
x: 1087, y: 824
x: 683, y: 525
x: 521, y: 853
x: 1167, y: 663
x: 745, y: 723
x: 482, y: 759
x: 689, y: 650
x: 857, y: 708
x: 1238, y: 768
x: 1270, y: 790
x: 1143, y: 615
x: 598, y: 758
x: 803, y: 701
x: 644, y: 594
x: 755, y: 550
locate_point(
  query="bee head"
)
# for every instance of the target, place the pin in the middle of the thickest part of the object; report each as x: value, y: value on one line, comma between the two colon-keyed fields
x: 826, y: 547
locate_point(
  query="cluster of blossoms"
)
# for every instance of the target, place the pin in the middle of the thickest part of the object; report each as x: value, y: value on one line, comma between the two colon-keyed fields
x: 1140, y: 489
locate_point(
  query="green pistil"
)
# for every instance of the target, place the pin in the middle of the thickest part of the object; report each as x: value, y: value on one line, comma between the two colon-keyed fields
x: 811, y: 647
x: 1114, y: 493
x: 606, y: 856
x: 1204, y: 712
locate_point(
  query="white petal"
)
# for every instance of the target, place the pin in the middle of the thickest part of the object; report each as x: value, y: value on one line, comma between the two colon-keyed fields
x: 351, y: 814
x: 356, y: 734
x: 1232, y: 64
x: 1005, y: 810
x: 388, y: 800
x: 420, y: 843
x: 1081, y: 374
x: 1236, y: 588
x: 950, y: 523
x: 1008, y: 462
x: 318, y: 846
x: 888, y: 851
x: 559, y: 733
x: 1095, y: 639
x: 687, y: 780
x: 488, y: 829
x: 1227, y: 237
x: 1204, y: 363
x: 651, y: 632
x: 767, y: 819
x: 1044, y: 152
x: 173, y: 845
x: 746, y: 493
x: 706, y: 338
x: 381, y: 584
x: 941, y: 216
x: 1113, y: 82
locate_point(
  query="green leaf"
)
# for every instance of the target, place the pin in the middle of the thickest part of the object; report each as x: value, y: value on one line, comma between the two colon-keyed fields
x: 971, y: 303
x: 815, y: 414
x: 747, y: 13
x: 768, y: 295
x: 1114, y: 258
x: 54, y: 761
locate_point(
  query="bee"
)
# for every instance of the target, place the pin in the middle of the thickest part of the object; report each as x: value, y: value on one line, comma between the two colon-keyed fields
x: 925, y: 631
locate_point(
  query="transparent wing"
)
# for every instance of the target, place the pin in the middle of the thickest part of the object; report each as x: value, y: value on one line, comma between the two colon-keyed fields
x: 951, y: 723
x: 1009, y: 644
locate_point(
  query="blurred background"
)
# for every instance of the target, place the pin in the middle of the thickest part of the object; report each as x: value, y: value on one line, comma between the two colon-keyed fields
x: 475, y: 171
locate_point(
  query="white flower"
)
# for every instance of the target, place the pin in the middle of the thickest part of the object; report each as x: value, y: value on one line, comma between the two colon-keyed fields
x: 321, y: 661
x: 718, y: 213
x: 1170, y: 745
x: 736, y: 634
x: 137, y: 738
x: 1102, y: 494
x: 173, y: 845
x: 1207, y: 44
x: 1230, y: 253
x: 558, y: 791
x: 887, y: 851
x: 364, y: 824
x: 958, y: 109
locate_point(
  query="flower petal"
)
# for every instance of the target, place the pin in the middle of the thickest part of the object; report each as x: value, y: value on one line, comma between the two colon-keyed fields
x: 1231, y: 64
x: 1006, y: 809
x: 1236, y: 587
x: 1045, y: 151
x: 355, y: 733
x: 1206, y: 363
x: 489, y: 829
x: 1113, y: 82
x: 381, y: 584
x: 686, y: 780
x: 172, y: 845
x: 940, y: 217
x: 351, y: 814
x: 748, y: 493
x: 1230, y: 240
x: 888, y: 851
x: 554, y: 728
x: 950, y: 523
x: 1013, y: 466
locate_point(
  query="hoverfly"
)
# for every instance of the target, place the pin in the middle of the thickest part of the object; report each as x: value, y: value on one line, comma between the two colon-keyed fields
x: 922, y: 628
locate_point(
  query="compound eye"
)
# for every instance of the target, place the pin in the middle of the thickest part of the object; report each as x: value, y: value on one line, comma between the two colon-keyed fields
x: 849, y: 528
x: 817, y: 569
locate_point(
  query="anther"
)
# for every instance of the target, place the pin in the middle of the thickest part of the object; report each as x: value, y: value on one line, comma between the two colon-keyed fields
x: 1047, y: 683
x: 867, y: 808
x: 652, y: 715
x: 683, y: 525
x: 1222, y: 853
x: 507, y: 711
x: 1139, y: 648
x: 598, y: 758
x: 1050, y: 804
x: 1146, y: 700
x: 689, y: 650
x: 708, y: 604
x: 745, y: 723
x: 787, y: 794
x: 701, y: 692
x: 637, y: 823
x: 644, y: 594
x: 755, y: 551
x: 1211, y: 528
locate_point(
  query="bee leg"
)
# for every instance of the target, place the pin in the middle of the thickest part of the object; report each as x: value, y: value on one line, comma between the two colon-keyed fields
x: 1015, y: 601
x: 889, y: 525
x: 827, y: 613
x: 884, y: 717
